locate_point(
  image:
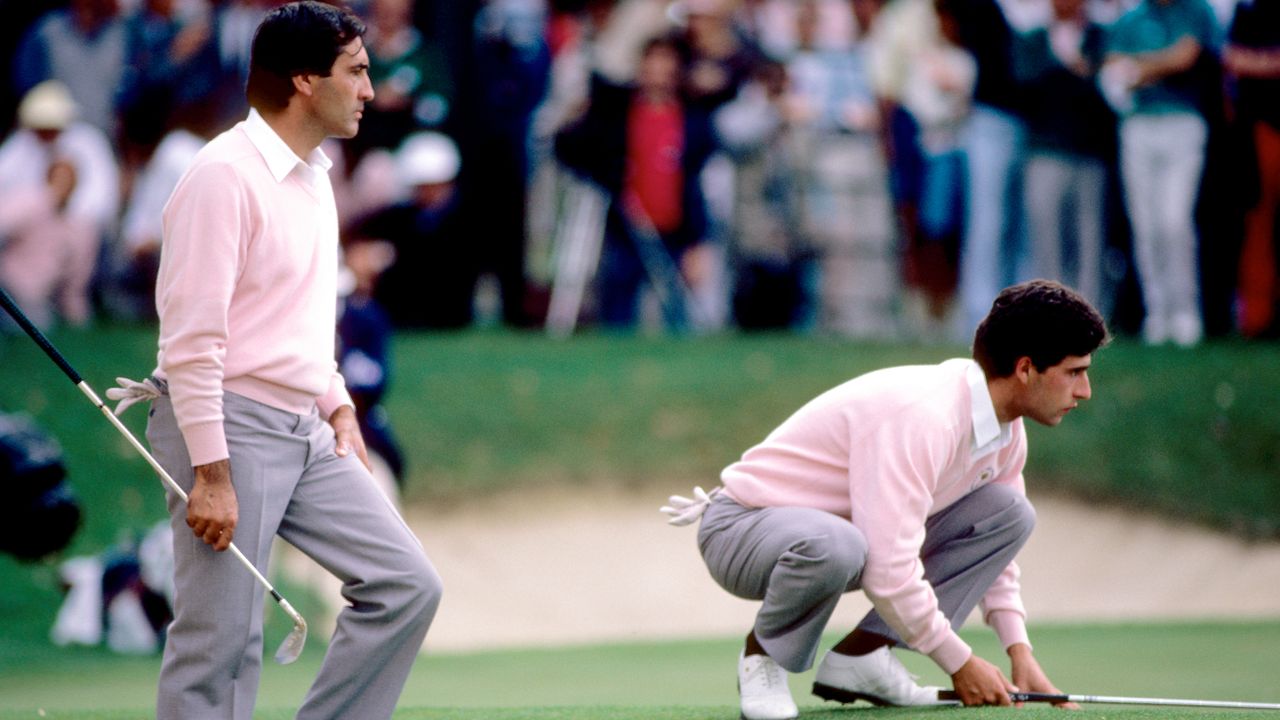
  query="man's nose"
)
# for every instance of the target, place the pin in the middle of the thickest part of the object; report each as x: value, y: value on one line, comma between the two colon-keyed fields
x: 1083, y: 389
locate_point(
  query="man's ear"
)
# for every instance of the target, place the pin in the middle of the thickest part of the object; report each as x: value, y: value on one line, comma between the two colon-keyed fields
x: 1022, y: 368
x: 302, y: 84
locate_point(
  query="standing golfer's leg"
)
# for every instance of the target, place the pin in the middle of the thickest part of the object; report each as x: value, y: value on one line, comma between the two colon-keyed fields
x: 339, y: 517
x: 799, y: 561
x: 213, y: 650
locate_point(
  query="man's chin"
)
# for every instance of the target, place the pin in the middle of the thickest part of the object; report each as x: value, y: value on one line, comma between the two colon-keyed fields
x: 1051, y: 421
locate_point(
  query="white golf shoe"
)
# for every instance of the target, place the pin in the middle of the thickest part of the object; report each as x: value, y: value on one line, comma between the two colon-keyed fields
x: 762, y: 687
x: 877, y: 677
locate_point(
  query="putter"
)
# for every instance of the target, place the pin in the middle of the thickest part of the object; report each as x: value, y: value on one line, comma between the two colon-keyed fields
x: 1112, y: 700
x: 291, y: 648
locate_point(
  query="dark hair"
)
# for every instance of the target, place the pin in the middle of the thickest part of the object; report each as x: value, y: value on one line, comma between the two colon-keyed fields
x: 1040, y: 319
x: 666, y: 42
x: 300, y: 38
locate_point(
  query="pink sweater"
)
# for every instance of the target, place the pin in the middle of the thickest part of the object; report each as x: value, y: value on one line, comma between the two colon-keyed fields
x: 887, y: 450
x: 247, y: 286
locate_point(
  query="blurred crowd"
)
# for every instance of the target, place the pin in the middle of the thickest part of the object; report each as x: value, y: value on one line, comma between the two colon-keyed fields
x: 866, y: 167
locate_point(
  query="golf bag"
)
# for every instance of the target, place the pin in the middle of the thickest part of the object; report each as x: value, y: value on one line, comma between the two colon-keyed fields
x: 40, y: 514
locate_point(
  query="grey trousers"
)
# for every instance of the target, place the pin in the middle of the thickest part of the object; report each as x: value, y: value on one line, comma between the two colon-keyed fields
x: 799, y: 561
x: 290, y: 482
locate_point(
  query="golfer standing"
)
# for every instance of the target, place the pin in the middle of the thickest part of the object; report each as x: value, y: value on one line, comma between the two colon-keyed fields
x: 905, y: 483
x: 257, y: 425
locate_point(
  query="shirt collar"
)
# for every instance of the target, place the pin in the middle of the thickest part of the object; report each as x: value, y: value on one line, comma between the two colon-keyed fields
x: 280, y: 158
x: 988, y: 432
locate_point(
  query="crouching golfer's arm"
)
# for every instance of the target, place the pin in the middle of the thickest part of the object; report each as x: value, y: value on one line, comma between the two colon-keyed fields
x: 902, y: 494
x: 1028, y: 676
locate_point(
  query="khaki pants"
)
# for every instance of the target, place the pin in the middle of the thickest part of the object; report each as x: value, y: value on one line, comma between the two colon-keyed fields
x: 290, y: 482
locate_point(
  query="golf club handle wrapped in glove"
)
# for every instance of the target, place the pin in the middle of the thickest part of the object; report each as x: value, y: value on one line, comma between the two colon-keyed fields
x: 130, y: 392
x: 686, y: 511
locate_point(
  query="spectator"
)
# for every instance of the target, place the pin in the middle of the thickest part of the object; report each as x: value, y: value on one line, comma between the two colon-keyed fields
x: 430, y: 282
x: 59, y: 195
x: 83, y: 46
x: 829, y: 86
x: 511, y: 66
x: 412, y: 86
x: 992, y: 251
x: 1149, y: 77
x: 907, y: 52
x: 138, y: 253
x: 845, y: 221
x: 364, y: 356
x: 234, y: 23
x: 768, y: 252
x: 718, y: 59
x: 171, y: 62
x: 937, y: 90
x: 645, y: 147
x: 1252, y: 57
x: 1070, y: 131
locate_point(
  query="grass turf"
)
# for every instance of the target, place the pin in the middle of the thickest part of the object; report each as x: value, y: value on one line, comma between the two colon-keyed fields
x: 1190, y: 433
x: 694, y: 679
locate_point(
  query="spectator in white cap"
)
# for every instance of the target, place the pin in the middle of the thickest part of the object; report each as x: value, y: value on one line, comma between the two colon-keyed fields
x: 59, y: 196
x: 431, y: 282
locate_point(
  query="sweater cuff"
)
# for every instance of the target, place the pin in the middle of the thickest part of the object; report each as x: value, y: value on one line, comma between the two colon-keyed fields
x: 1010, y: 627
x: 336, y: 397
x: 951, y: 654
x: 206, y: 442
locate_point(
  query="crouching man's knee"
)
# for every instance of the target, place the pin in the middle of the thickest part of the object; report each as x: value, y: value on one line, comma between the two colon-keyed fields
x: 834, y: 562
x: 1011, y: 511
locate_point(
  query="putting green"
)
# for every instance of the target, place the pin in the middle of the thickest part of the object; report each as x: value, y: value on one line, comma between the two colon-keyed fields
x: 694, y: 679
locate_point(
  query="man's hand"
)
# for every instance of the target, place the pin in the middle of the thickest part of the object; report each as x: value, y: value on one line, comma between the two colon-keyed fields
x: 212, y: 508
x: 1028, y: 676
x: 978, y: 682
x: 347, y: 430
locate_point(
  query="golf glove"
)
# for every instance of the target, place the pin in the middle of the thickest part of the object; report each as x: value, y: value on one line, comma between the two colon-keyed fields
x: 685, y: 511
x: 132, y: 391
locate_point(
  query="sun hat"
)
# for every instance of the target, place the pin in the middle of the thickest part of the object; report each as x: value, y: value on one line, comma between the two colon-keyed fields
x: 47, y: 106
x: 427, y: 158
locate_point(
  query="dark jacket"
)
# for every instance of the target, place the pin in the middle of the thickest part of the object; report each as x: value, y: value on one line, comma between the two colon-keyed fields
x: 595, y: 148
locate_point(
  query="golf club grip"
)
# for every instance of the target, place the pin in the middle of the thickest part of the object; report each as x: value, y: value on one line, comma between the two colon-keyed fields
x: 1014, y: 696
x: 20, y: 317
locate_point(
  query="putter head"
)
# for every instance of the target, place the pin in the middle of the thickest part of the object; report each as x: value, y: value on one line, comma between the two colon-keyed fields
x: 291, y: 648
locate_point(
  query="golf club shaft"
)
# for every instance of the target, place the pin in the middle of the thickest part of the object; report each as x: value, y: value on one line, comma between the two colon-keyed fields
x: 1116, y: 700
x: 39, y: 337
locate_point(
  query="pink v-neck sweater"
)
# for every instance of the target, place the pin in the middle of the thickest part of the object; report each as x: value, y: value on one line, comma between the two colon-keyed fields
x: 247, y: 286
x: 887, y: 450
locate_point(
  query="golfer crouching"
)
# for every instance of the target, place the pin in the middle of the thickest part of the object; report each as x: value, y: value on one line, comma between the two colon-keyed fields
x: 905, y: 483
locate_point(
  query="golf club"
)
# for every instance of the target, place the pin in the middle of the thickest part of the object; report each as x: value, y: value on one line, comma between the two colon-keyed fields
x: 291, y: 648
x: 1112, y: 700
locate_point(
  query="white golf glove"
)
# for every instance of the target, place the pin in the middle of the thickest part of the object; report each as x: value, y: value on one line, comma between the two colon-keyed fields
x: 685, y: 511
x: 132, y: 391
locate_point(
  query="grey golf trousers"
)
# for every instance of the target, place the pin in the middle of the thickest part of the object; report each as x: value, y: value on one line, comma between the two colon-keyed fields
x: 290, y: 482
x: 799, y: 561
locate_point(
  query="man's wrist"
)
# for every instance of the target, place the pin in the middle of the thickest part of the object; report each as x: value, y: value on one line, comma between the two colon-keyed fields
x: 1019, y: 651
x: 215, y: 473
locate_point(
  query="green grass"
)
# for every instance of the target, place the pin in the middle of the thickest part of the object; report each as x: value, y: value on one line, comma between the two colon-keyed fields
x: 1190, y: 433
x: 694, y: 679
